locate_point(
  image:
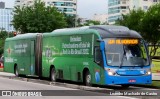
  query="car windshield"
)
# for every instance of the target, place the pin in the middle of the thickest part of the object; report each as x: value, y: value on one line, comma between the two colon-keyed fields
x: 126, y: 52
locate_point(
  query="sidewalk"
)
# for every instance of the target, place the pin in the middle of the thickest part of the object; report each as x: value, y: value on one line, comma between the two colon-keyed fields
x: 155, y: 76
x: 6, y: 74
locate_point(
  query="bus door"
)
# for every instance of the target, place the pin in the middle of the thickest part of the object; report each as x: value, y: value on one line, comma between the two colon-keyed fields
x: 98, y: 66
x: 32, y: 64
x: 38, y: 55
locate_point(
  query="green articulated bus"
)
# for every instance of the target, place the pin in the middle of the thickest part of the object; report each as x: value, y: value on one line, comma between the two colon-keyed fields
x: 90, y: 54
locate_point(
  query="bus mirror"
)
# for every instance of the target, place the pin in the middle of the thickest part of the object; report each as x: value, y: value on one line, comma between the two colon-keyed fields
x: 102, y: 45
x: 98, y: 62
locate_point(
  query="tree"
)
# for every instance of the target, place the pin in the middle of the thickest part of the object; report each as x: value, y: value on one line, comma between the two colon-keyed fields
x: 3, y: 36
x: 151, y: 27
x: 132, y: 20
x: 70, y: 20
x: 91, y: 22
x: 37, y: 18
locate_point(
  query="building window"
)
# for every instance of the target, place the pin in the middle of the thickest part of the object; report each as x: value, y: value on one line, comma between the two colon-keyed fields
x: 145, y: 0
x: 145, y: 8
x: 123, y: 7
x: 154, y: 0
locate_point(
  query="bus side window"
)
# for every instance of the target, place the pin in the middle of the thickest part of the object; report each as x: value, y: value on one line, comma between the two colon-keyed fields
x: 98, y: 56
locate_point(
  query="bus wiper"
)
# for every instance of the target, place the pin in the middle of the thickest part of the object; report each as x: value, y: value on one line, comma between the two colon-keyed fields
x: 122, y: 58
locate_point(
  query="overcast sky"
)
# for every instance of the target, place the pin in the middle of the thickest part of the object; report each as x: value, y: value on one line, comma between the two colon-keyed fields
x: 85, y: 8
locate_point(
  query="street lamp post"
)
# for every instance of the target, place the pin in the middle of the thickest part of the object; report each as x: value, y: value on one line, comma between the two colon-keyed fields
x: 8, y: 24
x: 76, y: 15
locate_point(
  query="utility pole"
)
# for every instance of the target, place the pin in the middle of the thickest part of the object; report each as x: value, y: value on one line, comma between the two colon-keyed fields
x: 76, y: 15
x: 8, y: 24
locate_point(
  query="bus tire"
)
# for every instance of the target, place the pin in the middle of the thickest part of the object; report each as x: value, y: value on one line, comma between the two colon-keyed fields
x: 53, y: 75
x: 88, y: 79
x: 16, y: 71
x: 125, y: 86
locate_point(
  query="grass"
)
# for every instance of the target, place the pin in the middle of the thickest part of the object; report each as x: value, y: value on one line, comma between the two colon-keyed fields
x: 156, y: 84
x: 156, y: 67
x: 1, y: 69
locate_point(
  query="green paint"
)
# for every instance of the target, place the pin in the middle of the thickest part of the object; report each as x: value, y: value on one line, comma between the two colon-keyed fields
x: 70, y: 51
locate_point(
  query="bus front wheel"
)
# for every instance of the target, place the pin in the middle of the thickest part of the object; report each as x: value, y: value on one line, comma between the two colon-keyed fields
x: 53, y: 75
x: 88, y: 79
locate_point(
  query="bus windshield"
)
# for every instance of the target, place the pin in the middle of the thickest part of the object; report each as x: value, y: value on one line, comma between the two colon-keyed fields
x: 126, y: 52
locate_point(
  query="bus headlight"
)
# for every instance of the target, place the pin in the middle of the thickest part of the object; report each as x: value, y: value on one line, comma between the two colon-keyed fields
x: 148, y: 72
x: 111, y: 73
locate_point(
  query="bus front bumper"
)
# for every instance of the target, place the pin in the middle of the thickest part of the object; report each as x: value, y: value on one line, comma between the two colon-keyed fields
x: 145, y: 79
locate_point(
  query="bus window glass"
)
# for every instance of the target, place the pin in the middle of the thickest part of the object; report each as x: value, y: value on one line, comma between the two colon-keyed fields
x: 125, y: 52
x: 98, y: 55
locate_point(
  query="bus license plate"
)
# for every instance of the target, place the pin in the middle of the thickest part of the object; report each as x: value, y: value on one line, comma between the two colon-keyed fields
x: 131, y: 80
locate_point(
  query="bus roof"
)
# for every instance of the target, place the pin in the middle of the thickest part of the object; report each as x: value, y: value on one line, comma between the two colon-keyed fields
x: 23, y: 36
x: 105, y: 31
x: 111, y: 31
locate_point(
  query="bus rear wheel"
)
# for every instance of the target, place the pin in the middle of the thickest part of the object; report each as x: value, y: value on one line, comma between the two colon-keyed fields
x: 88, y: 79
x: 53, y: 75
x: 16, y: 71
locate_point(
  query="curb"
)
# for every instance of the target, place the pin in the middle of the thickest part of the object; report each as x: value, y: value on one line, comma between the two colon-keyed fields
x: 81, y: 87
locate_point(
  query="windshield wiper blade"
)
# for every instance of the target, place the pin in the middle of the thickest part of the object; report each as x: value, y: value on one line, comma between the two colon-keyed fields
x: 122, y: 58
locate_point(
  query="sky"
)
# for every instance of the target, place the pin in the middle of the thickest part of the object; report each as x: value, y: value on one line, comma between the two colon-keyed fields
x: 85, y: 8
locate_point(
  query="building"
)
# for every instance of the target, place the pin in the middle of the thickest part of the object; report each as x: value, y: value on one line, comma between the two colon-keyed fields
x: 102, y: 18
x: 83, y: 21
x: 6, y: 17
x: 67, y: 6
x: 118, y: 7
x: 2, y: 5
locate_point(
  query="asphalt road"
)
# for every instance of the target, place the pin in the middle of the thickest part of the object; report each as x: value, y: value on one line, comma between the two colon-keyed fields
x: 23, y: 86
x: 71, y: 91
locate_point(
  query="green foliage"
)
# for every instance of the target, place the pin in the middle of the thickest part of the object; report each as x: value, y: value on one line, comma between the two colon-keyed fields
x: 3, y: 36
x: 151, y: 27
x: 91, y: 22
x: 70, y: 20
x: 157, y: 54
x: 132, y: 20
x: 37, y: 18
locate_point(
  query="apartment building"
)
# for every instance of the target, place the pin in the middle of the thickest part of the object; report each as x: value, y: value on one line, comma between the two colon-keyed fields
x: 2, y: 5
x: 6, y: 18
x: 118, y: 7
x: 66, y: 6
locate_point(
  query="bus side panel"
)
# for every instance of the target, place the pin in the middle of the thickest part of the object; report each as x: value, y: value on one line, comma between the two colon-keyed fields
x: 70, y: 54
x: 8, y: 58
x: 52, y: 55
x: 18, y: 52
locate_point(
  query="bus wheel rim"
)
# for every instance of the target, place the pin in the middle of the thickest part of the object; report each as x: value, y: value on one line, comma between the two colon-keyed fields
x: 16, y: 72
x: 88, y: 79
x: 53, y: 75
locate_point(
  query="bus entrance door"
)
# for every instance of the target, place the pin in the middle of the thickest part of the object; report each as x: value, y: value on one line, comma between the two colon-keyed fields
x: 98, y: 65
